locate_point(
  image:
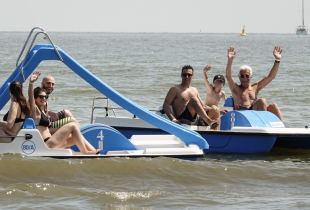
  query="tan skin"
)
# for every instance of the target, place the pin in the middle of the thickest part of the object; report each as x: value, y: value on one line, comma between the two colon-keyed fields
x: 249, y: 92
x: 48, y: 83
x: 183, y: 95
x: 215, y: 92
x: 67, y: 135
x: 9, y: 126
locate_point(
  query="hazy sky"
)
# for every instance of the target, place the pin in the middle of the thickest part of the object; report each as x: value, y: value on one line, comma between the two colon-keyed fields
x: 228, y: 16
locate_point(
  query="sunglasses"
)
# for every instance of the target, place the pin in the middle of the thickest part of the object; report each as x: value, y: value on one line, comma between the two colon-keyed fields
x: 43, y: 96
x: 245, y: 75
x: 185, y: 74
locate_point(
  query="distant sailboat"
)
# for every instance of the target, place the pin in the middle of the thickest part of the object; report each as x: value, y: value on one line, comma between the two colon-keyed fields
x: 302, y: 29
x: 243, y: 32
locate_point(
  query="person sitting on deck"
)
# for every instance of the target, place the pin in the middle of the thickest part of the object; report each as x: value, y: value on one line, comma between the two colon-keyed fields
x: 245, y: 94
x: 67, y: 136
x: 187, y: 103
x: 215, y: 92
x: 15, y: 117
x: 57, y: 119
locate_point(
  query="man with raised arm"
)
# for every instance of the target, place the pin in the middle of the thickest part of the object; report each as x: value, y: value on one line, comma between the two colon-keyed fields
x: 61, y: 118
x: 245, y: 95
x: 186, y: 102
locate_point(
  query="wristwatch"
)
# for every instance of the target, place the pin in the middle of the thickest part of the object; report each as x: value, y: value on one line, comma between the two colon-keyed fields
x: 174, y: 120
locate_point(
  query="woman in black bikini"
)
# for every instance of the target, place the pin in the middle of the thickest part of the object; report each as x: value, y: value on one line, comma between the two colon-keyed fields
x: 64, y: 137
x: 14, y: 118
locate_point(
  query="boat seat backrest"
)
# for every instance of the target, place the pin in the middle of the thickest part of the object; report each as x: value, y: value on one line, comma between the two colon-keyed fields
x: 28, y: 124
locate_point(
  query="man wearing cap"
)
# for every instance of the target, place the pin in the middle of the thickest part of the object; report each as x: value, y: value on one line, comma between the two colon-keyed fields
x: 215, y: 92
x: 186, y: 102
x: 245, y: 95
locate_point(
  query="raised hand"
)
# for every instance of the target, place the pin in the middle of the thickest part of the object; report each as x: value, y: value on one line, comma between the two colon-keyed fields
x: 207, y: 68
x: 35, y: 76
x: 231, y: 53
x: 277, y: 52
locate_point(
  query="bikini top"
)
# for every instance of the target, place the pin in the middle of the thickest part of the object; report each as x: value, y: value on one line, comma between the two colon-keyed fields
x: 17, y: 120
x: 44, y: 121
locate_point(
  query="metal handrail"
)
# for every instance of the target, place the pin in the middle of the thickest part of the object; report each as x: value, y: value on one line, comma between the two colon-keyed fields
x: 34, y: 38
x: 27, y: 43
x: 107, y: 108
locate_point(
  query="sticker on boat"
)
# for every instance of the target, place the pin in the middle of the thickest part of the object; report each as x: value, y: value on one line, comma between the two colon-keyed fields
x: 28, y: 147
x: 276, y: 124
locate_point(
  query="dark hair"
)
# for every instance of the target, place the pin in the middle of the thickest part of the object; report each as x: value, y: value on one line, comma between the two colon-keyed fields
x: 187, y: 67
x: 16, y: 89
x: 37, y: 91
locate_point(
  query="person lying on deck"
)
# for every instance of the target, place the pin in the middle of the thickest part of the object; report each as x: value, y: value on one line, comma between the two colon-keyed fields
x: 245, y: 95
x: 186, y: 102
x: 15, y: 117
x: 67, y: 136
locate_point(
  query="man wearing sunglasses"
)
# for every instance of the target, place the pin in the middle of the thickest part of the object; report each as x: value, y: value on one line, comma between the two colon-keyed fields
x: 186, y: 102
x: 61, y: 118
x: 245, y: 95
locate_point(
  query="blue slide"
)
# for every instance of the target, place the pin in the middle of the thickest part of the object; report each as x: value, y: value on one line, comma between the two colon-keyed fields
x: 47, y: 52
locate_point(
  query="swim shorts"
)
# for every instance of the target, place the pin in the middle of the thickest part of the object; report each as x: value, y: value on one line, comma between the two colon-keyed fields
x: 186, y: 117
x: 244, y: 108
x: 62, y: 120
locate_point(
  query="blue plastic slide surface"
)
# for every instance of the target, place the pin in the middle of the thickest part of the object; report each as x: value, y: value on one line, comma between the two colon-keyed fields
x: 46, y: 52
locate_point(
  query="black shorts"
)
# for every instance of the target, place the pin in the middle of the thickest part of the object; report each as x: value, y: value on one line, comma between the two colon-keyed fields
x: 186, y: 117
x: 244, y: 108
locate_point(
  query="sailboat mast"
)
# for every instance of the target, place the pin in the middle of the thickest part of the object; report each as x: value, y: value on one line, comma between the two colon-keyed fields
x: 303, y: 13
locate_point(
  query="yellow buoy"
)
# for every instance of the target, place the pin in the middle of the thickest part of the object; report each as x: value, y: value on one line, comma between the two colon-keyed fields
x: 243, y: 32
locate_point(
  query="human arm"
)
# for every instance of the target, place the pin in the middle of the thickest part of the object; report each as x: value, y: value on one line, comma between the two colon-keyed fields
x: 224, y: 100
x: 272, y: 74
x: 32, y: 103
x: 168, y: 100
x: 205, y: 107
x: 205, y: 76
x: 231, y: 54
x: 8, y: 124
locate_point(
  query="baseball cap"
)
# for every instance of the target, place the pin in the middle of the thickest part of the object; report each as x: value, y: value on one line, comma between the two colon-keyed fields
x: 219, y: 77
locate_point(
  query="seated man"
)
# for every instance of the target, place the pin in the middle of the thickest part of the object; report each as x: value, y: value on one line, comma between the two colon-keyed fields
x: 61, y: 118
x: 245, y: 94
x: 187, y: 103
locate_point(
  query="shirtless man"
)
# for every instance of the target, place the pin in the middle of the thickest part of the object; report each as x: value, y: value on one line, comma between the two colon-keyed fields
x: 215, y: 92
x: 245, y: 94
x: 48, y: 84
x: 187, y: 103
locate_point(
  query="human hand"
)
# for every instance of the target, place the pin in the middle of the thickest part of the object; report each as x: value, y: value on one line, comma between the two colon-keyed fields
x: 35, y: 76
x: 207, y: 68
x: 277, y: 52
x: 53, y: 115
x: 231, y: 53
x: 211, y: 122
x: 224, y: 111
x: 177, y: 122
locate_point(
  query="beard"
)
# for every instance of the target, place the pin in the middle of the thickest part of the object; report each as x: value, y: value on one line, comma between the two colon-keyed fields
x: 48, y: 91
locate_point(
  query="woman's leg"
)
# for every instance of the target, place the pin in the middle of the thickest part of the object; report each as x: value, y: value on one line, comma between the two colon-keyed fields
x: 6, y: 139
x: 70, y: 142
x: 59, y: 138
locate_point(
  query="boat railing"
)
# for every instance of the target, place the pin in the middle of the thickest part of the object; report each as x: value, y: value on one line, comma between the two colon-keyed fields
x: 34, y: 38
x: 107, y: 108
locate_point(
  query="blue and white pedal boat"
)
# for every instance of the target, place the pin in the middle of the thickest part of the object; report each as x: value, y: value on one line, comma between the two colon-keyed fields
x: 179, y: 142
x: 240, y: 132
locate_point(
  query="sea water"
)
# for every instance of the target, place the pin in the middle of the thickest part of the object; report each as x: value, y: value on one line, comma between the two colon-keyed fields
x: 142, y: 67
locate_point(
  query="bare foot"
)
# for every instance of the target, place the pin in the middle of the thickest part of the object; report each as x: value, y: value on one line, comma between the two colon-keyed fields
x: 92, y: 152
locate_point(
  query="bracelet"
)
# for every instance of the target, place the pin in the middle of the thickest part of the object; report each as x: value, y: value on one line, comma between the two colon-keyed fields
x: 30, y: 83
x: 277, y: 61
x: 174, y: 120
